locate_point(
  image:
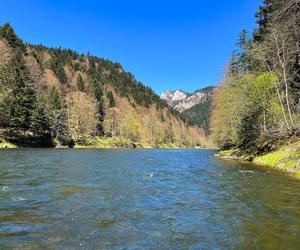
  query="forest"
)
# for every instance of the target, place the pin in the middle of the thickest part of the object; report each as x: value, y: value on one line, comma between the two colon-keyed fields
x: 257, y: 107
x: 58, y: 97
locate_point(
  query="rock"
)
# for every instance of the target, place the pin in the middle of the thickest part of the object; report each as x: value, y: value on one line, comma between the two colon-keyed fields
x: 182, y: 101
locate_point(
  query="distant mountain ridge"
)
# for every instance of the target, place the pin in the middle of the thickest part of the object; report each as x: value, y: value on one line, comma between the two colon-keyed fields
x: 195, y: 107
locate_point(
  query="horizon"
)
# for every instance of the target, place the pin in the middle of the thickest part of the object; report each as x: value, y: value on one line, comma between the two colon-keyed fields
x: 161, y: 50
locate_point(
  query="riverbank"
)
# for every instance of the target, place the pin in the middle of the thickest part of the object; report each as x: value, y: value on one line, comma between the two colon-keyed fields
x: 118, y: 142
x: 285, y: 158
x: 114, y: 143
x: 5, y: 144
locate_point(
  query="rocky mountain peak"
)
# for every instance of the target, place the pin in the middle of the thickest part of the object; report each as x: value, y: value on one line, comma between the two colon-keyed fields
x: 182, y: 101
x: 173, y: 97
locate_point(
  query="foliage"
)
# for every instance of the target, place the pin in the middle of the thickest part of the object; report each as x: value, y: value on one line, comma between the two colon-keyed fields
x: 57, y: 116
x: 7, y: 33
x: 18, y: 99
x: 40, y: 124
x: 111, y: 99
x: 200, y: 115
x: 110, y: 142
x: 80, y: 83
x: 56, y: 65
x: 81, y: 115
x: 5, y: 144
x: 257, y: 103
x: 228, y: 152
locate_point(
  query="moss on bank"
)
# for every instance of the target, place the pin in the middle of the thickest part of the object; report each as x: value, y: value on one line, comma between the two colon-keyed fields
x: 5, y: 144
x: 109, y: 142
x: 97, y: 142
x: 286, y: 158
x: 228, y: 152
x: 118, y: 142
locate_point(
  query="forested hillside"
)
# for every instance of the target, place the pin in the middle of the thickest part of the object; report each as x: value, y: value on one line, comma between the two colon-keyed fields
x: 200, y: 113
x: 57, y: 97
x: 257, y: 107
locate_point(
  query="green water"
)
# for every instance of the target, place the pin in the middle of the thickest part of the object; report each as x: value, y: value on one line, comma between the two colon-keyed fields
x: 143, y: 199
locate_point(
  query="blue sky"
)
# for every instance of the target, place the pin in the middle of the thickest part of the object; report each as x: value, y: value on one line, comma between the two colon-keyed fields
x: 165, y: 44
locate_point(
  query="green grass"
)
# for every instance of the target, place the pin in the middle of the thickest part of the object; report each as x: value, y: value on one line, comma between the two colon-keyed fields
x: 227, y: 152
x: 98, y: 142
x: 286, y: 158
x: 4, y: 144
x: 272, y: 159
x: 118, y: 142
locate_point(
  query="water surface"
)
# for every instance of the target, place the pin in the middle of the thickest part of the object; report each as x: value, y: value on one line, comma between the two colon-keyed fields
x: 143, y: 199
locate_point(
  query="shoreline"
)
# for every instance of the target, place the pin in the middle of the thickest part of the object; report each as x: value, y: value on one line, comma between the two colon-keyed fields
x: 95, y: 147
x: 13, y: 146
x: 285, y: 159
x: 110, y: 143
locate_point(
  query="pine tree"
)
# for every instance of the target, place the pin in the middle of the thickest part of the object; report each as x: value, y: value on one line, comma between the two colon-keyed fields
x: 40, y: 120
x: 7, y: 32
x: 54, y: 99
x: 263, y: 19
x: 16, y: 107
x: 99, y: 98
x: 57, y: 63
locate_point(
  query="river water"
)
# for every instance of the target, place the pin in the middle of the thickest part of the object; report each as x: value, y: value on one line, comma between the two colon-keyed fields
x: 143, y: 199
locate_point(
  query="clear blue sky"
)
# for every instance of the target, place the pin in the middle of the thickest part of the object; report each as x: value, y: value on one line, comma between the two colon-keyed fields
x: 165, y: 44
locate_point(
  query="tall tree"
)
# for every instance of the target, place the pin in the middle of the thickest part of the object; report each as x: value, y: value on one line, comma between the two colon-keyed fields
x: 19, y: 101
x: 8, y: 33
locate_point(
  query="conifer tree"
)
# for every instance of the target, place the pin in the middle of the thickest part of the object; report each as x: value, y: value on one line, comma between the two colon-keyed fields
x: 17, y: 105
x: 40, y: 118
x: 7, y: 32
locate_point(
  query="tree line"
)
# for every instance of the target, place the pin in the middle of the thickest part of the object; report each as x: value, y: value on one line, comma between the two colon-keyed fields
x: 257, y: 105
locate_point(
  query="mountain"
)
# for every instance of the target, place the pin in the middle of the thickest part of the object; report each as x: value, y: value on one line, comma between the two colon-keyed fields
x: 173, y: 97
x: 58, y: 97
x: 195, y: 107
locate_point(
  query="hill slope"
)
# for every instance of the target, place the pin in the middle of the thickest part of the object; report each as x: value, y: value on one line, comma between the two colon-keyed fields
x: 57, y: 97
x: 195, y: 107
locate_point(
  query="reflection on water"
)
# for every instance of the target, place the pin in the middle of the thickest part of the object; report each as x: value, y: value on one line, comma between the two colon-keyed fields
x: 94, y: 199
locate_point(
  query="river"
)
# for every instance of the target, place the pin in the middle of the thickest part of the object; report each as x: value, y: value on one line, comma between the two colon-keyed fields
x: 143, y: 199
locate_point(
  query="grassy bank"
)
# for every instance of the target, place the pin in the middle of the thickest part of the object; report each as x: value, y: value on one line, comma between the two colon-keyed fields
x: 5, y: 144
x: 117, y: 142
x: 106, y: 143
x: 285, y: 158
